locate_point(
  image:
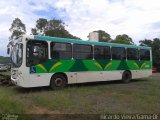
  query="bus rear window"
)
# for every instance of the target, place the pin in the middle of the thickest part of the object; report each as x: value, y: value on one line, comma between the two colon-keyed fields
x: 37, y: 52
x: 144, y: 54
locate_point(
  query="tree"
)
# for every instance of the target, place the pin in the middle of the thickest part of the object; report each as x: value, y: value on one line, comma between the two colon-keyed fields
x: 51, y: 27
x: 156, y: 51
x: 34, y: 31
x: 56, y: 28
x: 146, y: 42
x: 17, y: 28
x: 155, y: 44
x: 41, y: 25
x: 123, y: 39
x: 103, y: 36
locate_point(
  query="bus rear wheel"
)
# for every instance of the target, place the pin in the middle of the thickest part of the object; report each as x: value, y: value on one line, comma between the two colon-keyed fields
x: 126, y: 77
x: 57, y: 82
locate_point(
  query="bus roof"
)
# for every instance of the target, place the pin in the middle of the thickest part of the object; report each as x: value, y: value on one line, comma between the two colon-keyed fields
x: 57, y: 39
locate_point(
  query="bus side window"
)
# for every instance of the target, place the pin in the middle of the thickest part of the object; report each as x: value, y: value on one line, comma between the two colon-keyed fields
x: 37, y: 52
x: 107, y: 53
x: 132, y: 54
x: 81, y: 51
x: 144, y: 54
x: 101, y: 52
x: 118, y: 53
x: 61, y: 50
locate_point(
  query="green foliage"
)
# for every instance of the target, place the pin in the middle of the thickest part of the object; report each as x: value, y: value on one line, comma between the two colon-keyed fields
x: 53, y: 27
x: 146, y: 42
x: 103, y: 36
x: 41, y: 24
x: 123, y: 39
x: 155, y: 44
x: 17, y: 28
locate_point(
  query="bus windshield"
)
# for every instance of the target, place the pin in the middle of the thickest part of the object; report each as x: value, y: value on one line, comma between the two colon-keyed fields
x: 16, y: 56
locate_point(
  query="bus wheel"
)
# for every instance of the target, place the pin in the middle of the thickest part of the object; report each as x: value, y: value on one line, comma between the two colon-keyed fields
x: 58, y: 81
x: 126, y: 77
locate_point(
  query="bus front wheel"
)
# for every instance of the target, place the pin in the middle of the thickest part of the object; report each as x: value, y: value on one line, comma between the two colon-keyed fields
x: 58, y: 81
x: 126, y: 77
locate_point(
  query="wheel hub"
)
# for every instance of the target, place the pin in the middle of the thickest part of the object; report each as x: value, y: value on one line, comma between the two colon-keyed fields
x: 58, y: 81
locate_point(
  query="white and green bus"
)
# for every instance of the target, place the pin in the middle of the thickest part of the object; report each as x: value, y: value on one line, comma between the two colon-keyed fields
x: 51, y: 61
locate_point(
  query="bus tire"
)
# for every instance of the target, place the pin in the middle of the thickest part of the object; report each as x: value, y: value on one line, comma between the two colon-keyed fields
x: 126, y: 77
x: 58, y: 81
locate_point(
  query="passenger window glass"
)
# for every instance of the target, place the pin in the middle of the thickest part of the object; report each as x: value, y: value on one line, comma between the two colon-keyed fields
x: 82, y: 51
x: 144, y: 54
x: 132, y: 54
x: 61, y: 50
x: 107, y: 52
x: 118, y: 53
x: 101, y: 52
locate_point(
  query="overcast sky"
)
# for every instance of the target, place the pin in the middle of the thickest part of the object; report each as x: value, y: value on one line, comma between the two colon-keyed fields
x: 139, y: 19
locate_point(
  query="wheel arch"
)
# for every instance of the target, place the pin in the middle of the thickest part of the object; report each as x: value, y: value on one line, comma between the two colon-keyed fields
x: 126, y: 79
x: 128, y: 71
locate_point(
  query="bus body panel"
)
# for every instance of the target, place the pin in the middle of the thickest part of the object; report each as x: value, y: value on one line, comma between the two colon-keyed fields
x: 141, y: 73
x: 83, y: 77
x: 36, y: 80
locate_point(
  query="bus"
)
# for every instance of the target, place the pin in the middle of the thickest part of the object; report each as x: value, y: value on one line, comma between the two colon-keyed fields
x: 52, y: 61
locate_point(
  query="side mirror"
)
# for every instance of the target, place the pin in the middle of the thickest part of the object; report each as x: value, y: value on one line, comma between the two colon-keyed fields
x: 8, y: 51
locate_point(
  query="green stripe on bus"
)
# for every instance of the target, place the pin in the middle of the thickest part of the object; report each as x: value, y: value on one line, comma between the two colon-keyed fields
x: 51, y: 66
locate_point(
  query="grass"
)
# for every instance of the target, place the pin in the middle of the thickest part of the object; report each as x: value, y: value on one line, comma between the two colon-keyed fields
x: 139, y: 96
x: 9, y: 103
